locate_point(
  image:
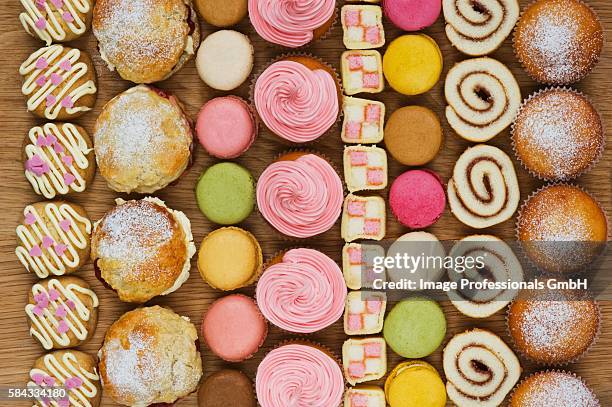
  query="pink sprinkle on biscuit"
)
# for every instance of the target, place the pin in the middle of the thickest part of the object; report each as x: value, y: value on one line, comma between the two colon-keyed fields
x: 67, y: 102
x: 41, y: 63
x: 53, y: 294
x: 56, y: 79
x: 60, y: 249
x: 38, y: 378
x: 69, y: 178
x: 35, y: 251
x: 41, y: 23
x: 51, y: 100
x: 62, y: 327
x: 67, y: 160
x: 66, y: 65
x: 47, y: 242
x: 65, y: 224
x: 67, y: 17
x: 41, y: 80
x: 30, y: 219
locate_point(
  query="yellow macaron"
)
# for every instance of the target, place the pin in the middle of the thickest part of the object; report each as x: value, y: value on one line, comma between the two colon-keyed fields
x: 412, y: 64
x: 415, y: 384
x: 230, y: 258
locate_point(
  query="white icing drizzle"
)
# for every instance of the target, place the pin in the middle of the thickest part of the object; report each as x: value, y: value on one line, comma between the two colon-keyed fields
x: 54, y: 56
x: 54, y: 29
x: 66, y: 368
x: 52, y: 183
x: 49, y: 262
x: 44, y: 326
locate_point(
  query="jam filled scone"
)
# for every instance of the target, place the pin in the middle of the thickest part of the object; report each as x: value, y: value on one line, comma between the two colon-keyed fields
x: 56, y: 20
x: 53, y: 238
x: 142, y: 249
x: 59, y: 82
x: 58, y: 159
x: 62, y: 312
x: 146, y: 41
x: 75, y: 371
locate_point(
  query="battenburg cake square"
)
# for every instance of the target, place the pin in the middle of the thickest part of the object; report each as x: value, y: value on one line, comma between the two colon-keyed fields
x: 362, y: 25
x: 364, y: 313
x: 365, y: 396
x: 363, y: 217
x: 364, y: 359
x: 365, y: 168
x: 362, y: 72
x: 364, y: 120
x: 357, y: 264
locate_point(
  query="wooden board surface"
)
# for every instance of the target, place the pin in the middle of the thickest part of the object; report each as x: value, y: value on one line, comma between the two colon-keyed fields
x: 18, y: 351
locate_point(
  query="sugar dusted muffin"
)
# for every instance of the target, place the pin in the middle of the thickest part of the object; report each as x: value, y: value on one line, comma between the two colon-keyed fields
x: 362, y: 72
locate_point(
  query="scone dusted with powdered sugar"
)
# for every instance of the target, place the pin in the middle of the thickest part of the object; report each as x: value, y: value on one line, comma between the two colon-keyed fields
x: 150, y: 356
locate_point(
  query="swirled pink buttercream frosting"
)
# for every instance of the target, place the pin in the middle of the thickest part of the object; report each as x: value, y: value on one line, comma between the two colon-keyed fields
x: 300, y: 198
x: 298, y: 375
x: 304, y: 293
x: 289, y: 23
x: 295, y: 102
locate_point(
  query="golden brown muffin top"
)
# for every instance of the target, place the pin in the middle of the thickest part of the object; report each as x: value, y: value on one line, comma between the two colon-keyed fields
x: 558, y: 134
x: 558, y: 41
x: 553, y: 327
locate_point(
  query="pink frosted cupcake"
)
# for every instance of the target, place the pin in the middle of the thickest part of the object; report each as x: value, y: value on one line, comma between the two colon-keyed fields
x: 300, y: 195
x: 298, y: 98
x: 292, y: 24
x: 299, y: 374
x: 302, y: 291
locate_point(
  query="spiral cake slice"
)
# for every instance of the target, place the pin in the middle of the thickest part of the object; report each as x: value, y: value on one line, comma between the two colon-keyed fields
x: 479, y: 28
x: 483, y: 98
x: 480, y: 369
x: 500, y: 265
x: 484, y: 190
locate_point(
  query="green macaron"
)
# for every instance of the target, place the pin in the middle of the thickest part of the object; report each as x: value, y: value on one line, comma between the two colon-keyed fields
x: 415, y: 327
x: 226, y: 193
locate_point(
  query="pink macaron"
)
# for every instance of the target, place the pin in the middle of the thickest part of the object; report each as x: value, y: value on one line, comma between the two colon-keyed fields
x: 417, y: 198
x: 233, y: 328
x: 226, y: 127
x: 412, y: 15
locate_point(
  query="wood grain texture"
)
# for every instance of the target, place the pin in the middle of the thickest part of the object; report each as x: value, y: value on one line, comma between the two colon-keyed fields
x: 18, y: 351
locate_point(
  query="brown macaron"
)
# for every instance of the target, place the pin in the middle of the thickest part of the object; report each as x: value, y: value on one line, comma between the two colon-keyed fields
x: 227, y: 387
x: 413, y: 135
x: 222, y: 13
